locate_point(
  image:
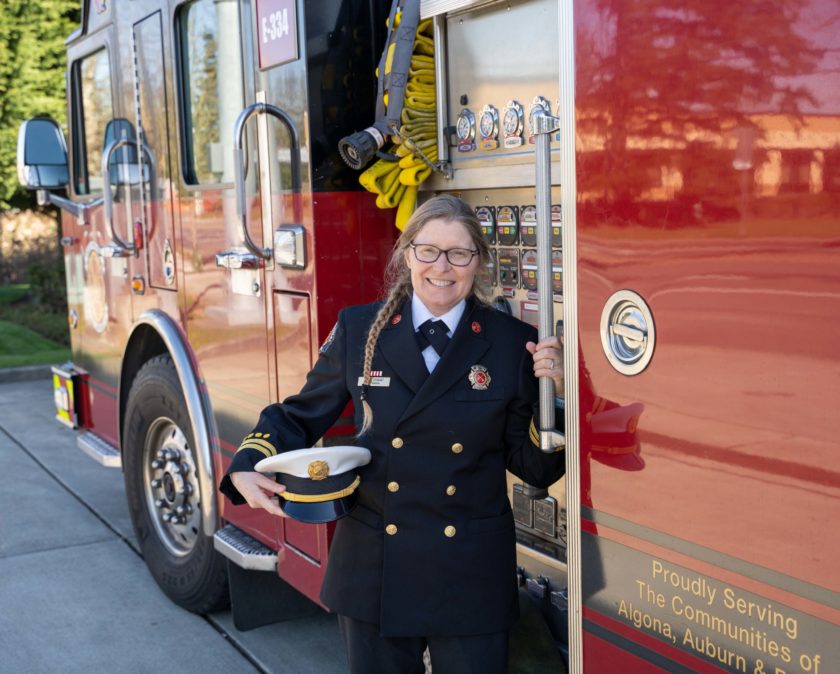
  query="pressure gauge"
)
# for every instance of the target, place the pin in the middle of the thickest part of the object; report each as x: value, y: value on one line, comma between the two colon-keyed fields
x: 528, y: 225
x: 513, y: 122
x: 529, y: 269
x: 557, y: 273
x: 488, y: 127
x: 556, y: 226
x: 465, y: 129
x: 539, y: 103
x: 507, y: 225
x: 487, y: 219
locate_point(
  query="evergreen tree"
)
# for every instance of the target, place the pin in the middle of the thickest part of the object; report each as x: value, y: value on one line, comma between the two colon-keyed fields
x: 32, y: 76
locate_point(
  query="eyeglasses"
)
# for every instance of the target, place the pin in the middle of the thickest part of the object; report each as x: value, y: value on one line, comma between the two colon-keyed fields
x: 457, y: 257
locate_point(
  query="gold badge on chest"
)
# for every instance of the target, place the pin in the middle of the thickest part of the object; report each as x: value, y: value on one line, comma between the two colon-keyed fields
x: 479, y: 377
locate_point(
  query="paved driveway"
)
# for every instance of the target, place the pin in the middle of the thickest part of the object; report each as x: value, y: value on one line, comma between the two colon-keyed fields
x: 75, y: 595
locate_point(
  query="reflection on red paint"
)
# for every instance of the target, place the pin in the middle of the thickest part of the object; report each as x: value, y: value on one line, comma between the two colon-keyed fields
x: 708, y: 178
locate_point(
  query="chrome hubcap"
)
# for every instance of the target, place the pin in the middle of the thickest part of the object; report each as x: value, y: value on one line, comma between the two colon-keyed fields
x: 171, y: 486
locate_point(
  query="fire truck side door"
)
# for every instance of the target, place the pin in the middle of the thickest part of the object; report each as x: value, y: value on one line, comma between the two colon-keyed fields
x: 280, y: 83
x: 225, y: 296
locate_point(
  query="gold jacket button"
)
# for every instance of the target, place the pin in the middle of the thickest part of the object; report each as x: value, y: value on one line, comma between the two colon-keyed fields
x: 457, y: 448
x: 391, y: 529
x: 449, y: 531
x: 396, y: 443
x: 393, y: 486
x: 450, y: 490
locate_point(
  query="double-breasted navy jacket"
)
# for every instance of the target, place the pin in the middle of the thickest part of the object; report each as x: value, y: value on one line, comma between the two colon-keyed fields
x: 430, y: 549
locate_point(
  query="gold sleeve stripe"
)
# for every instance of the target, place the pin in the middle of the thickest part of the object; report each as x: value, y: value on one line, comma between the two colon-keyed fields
x: 265, y: 447
x: 319, y: 498
x: 532, y: 432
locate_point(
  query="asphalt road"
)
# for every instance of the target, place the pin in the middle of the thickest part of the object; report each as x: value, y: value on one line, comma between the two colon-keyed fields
x: 75, y: 595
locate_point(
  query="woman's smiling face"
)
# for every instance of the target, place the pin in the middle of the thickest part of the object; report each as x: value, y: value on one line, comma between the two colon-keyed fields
x: 439, y: 284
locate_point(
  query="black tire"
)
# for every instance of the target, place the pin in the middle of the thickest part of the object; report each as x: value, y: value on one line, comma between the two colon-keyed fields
x: 160, y: 469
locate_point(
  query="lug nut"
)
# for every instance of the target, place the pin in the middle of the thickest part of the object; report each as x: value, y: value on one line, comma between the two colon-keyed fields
x: 155, y: 483
x: 184, y: 468
x: 167, y: 516
x: 158, y: 463
x: 160, y: 503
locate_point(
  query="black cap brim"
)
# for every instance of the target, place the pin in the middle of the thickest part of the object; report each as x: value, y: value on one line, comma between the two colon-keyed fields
x: 320, y: 512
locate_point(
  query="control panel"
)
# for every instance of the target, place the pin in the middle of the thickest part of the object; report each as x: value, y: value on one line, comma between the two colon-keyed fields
x: 508, y: 220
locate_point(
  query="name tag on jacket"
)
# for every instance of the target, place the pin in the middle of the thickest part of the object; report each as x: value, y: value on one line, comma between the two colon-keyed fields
x: 376, y: 381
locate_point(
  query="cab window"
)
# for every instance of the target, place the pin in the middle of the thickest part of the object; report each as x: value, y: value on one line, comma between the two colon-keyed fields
x: 92, y: 110
x: 211, y: 88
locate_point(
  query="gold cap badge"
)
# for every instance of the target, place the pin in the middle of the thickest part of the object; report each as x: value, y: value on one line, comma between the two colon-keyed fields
x: 318, y: 470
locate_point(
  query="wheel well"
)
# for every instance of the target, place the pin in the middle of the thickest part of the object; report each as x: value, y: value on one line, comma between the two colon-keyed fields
x: 145, y: 343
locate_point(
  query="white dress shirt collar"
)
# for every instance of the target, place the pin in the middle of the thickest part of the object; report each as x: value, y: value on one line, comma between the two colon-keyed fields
x: 420, y: 314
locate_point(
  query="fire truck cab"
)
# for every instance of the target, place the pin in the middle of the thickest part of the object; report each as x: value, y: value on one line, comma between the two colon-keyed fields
x: 667, y: 172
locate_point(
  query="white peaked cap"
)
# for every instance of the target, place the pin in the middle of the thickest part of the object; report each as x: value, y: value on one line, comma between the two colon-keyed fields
x: 340, y: 459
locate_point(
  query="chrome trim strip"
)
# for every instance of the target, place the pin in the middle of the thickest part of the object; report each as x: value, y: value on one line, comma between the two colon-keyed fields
x: 439, y: 26
x: 568, y: 183
x: 198, y: 407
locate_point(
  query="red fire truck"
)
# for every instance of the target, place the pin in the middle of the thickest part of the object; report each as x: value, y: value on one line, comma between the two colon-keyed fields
x: 689, y: 210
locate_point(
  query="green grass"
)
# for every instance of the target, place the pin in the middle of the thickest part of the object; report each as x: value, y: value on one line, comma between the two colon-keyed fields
x: 21, y: 346
x: 17, y: 307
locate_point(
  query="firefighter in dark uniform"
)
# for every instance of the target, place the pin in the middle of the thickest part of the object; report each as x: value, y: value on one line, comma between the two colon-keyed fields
x: 444, y: 388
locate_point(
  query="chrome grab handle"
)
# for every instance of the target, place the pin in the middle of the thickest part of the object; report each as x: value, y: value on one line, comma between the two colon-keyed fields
x: 543, y: 125
x: 239, y: 166
x: 237, y: 259
x: 629, y: 332
x: 108, y: 199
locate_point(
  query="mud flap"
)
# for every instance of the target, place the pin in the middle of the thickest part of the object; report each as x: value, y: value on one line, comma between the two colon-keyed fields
x: 260, y: 598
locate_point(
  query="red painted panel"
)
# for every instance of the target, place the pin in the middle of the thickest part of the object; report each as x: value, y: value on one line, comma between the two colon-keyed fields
x: 602, y: 656
x: 708, y: 181
x: 353, y: 240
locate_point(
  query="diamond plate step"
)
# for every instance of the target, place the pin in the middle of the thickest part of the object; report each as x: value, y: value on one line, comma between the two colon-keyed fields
x: 243, y: 550
x: 100, y: 450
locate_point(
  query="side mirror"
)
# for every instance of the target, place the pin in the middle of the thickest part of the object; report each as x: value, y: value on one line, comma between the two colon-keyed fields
x: 42, y: 155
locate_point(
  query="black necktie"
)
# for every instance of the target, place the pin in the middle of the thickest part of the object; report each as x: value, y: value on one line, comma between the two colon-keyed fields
x: 433, y: 333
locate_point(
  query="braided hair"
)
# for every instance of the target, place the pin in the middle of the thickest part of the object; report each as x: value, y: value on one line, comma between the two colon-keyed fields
x: 398, y: 275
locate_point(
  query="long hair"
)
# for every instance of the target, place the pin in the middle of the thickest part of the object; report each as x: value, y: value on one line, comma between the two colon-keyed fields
x: 398, y: 275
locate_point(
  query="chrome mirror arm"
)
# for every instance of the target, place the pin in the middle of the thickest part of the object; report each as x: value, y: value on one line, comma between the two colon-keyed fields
x: 77, y: 210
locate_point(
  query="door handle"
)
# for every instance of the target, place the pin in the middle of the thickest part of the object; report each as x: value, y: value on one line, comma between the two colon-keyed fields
x: 236, y: 259
x: 239, y: 166
x: 108, y: 199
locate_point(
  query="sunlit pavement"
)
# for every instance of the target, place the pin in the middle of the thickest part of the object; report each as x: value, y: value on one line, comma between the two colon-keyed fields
x: 75, y: 595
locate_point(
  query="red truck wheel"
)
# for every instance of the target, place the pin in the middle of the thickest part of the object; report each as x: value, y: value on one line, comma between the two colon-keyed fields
x: 164, y: 497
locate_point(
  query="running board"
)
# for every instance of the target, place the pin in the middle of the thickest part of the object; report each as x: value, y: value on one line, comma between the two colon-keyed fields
x: 243, y: 550
x: 100, y: 450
